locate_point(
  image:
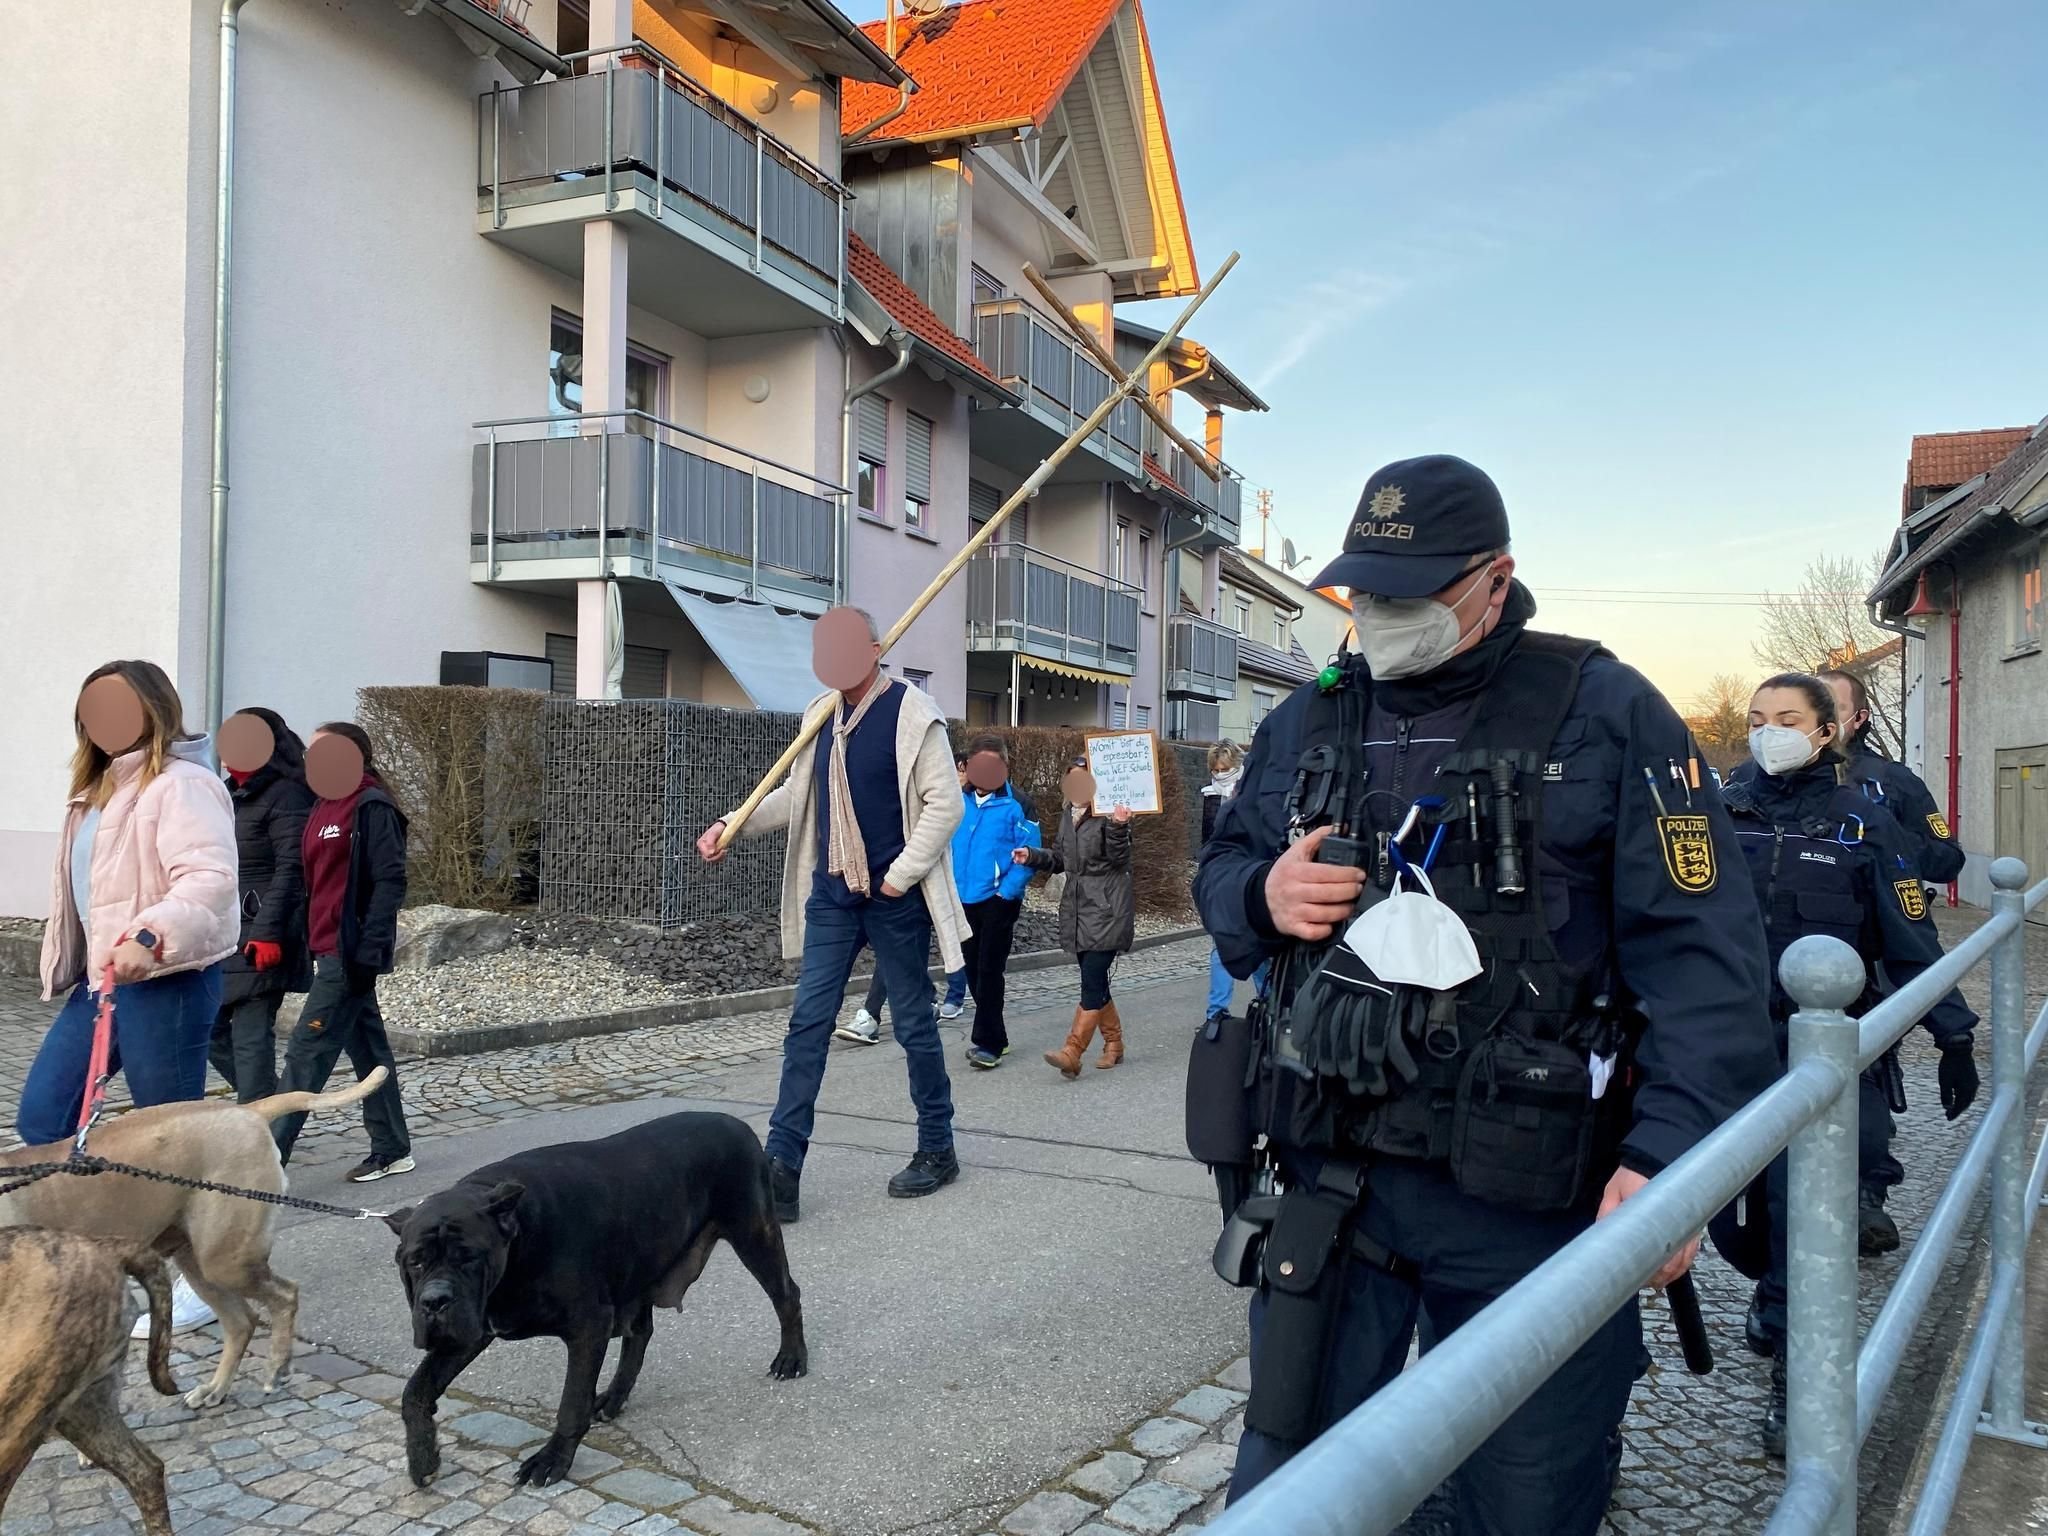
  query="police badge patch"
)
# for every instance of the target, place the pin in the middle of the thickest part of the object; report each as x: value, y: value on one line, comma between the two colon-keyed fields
x: 1912, y: 897
x: 1688, y: 845
x: 1938, y: 825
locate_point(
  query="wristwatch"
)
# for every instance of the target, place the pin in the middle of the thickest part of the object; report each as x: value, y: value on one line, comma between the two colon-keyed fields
x: 147, y: 938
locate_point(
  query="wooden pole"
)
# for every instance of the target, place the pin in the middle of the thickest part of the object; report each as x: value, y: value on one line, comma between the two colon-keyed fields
x: 1087, y: 429
x: 1104, y: 356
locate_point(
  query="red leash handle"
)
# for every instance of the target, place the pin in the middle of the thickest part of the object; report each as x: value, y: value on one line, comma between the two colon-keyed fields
x: 96, y: 1073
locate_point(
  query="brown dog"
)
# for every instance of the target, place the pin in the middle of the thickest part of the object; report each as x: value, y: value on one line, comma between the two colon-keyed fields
x: 220, y: 1243
x: 63, y: 1343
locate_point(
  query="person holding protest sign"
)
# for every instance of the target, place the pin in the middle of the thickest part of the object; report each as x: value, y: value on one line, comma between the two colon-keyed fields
x: 1098, y: 912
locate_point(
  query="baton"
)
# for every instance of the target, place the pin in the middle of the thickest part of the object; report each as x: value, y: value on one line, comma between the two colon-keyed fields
x: 1692, y: 1328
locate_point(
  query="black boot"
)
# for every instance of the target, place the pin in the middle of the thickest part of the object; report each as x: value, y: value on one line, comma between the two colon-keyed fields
x: 1774, y: 1418
x: 927, y: 1174
x: 1875, y: 1230
x: 1754, y: 1333
x: 782, y: 1188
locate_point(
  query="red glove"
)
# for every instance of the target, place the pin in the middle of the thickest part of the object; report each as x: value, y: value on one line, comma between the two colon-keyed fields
x: 265, y: 957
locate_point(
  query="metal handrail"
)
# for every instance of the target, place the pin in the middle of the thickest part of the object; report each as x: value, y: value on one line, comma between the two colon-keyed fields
x: 1072, y: 568
x: 669, y: 426
x: 1365, y: 1474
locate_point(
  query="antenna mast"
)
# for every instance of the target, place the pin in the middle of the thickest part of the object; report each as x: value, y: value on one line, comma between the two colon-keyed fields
x: 1265, y: 522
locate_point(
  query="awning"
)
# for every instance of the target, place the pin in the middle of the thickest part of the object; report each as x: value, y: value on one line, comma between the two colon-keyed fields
x: 767, y: 652
x: 1061, y: 669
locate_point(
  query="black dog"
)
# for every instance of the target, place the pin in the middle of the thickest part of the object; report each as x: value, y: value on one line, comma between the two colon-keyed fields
x: 581, y: 1242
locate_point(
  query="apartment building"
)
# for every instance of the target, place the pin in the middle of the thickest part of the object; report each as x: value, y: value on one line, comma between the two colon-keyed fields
x: 1036, y: 138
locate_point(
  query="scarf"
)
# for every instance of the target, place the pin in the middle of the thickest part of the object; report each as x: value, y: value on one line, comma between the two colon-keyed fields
x: 1223, y: 785
x: 848, y: 855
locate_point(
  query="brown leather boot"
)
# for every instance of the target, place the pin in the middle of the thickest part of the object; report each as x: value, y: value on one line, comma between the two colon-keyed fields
x: 1068, y: 1057
x: 1112, y: 1037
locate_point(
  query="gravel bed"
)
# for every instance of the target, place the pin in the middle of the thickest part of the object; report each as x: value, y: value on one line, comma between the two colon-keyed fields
x: 32, y: 926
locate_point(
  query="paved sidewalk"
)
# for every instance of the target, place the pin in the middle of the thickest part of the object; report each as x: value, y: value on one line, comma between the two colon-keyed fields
x: 1041, y: 1349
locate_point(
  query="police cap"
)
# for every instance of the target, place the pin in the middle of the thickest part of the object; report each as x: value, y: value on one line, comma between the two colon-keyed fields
x: 1418, y: 524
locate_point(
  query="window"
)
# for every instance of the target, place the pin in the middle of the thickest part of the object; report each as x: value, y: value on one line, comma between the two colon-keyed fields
x: 646, y: 374
x: 873, y: 446
x: 2029, y: 614
x: 572, y: 29
x: 1145, y: 570
x: 1262, y: 706
x: 1241, y: 618
x: 1141, y: 717
x: 921, y: 681
x: 917, y: 472
x: 1119, y: 713
x: 645, y: 675
x: 1120, y: 551
x: 984, y: 501
x: 1279, y: 631
x: 986, y: 289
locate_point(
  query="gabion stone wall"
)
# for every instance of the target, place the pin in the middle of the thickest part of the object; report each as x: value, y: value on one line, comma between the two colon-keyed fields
x: 627, y: 787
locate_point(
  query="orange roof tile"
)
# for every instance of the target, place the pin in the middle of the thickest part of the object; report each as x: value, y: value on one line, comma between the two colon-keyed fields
x: 1950, y: 458
x: 904, y: 306
x: 980, y: 64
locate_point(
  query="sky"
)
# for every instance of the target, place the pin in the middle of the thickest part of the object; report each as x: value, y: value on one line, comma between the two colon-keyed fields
x: 1683, y: 278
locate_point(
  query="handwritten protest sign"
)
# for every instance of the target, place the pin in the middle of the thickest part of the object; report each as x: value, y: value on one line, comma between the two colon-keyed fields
x: 1126, y: 769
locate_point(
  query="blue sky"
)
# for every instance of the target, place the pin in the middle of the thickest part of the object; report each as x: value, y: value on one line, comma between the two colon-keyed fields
x: 1685, y: 279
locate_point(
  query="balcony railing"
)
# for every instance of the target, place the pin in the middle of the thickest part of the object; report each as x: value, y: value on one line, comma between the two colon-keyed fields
x: 1201, y: 659
x: 1022, y: 599
x: 1222, y: 500
x: 645, y: 118
x: 1054, y: 374
x: 633, y: 494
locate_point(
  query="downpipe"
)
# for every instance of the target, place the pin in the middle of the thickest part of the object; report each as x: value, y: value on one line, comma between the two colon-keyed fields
x: 899, y: 340
x: 223, y: 257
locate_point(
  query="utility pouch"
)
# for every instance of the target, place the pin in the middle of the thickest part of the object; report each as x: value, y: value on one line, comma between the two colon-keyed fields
x: 1522, y: 1133
x: 1219, y: 1107
x: 1243, y: 1240
x: 1303, y: 1272
x: 1891, y: 1077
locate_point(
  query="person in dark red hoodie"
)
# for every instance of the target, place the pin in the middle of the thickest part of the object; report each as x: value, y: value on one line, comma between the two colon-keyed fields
x: 354, y: 857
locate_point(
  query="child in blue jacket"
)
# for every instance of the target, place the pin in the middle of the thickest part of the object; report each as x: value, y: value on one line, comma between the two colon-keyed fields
x: 994, y: 824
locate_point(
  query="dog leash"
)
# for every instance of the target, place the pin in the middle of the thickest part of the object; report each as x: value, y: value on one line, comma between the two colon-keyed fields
x: 85, y: 1165
x: 97, y: 1071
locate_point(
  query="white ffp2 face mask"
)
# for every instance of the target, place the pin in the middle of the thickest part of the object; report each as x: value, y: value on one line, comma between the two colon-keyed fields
x: 1781, y: 749
x: 1412, y: 939
x: 1406, y: 636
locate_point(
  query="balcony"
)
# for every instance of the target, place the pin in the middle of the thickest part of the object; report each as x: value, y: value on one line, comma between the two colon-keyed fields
x: 743, y: 235
x: 1022, y: 600
x: 1201, y: 659
x: 1060, y: 384
x: 574, y: 498
x: 1212, y: 508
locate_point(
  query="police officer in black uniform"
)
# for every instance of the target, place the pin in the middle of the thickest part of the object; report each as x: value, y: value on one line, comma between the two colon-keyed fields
x: 1426, y: 1147
x: 1933, y: 853
x: 1825, y: 858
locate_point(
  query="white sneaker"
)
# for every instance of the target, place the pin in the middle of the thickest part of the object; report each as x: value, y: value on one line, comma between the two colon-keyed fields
x: 862, y: 1029
x: 951, y: 1010
x: 187, y: 1312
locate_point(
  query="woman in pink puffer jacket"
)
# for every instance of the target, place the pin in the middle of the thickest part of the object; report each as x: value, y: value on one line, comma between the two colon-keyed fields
x: 145, y: 880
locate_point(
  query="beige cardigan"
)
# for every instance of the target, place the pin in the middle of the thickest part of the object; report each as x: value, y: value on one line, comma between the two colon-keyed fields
x: 932, y: 807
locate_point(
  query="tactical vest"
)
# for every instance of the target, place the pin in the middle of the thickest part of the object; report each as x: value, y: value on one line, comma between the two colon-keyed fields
x: 1501, y: 1087
x: 1805, y: 874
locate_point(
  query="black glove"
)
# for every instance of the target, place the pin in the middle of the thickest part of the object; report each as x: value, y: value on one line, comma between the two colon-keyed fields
x: 1958, y: 1077
x: 1349, y: 1026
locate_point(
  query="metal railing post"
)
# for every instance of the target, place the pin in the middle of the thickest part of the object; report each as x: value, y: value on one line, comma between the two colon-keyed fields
x: 839, y: 293
x: 491, y: 508
x: 655, y: 518
x: 754, y: 540
x: 760, y: 158
x: 604, y: 501
x: 497, y: 175
x: 660, y: 144
x: 2011, y: 1164
x: 1824, y: 976
x: 611, y: 196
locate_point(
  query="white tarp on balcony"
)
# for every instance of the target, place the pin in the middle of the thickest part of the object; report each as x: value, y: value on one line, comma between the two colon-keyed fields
x: 767, y: 652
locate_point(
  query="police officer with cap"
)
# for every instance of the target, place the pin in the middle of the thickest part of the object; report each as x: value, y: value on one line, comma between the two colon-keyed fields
x: 1440, y: 1119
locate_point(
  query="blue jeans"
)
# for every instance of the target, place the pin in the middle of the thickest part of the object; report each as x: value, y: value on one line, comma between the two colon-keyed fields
x: 161, y: 1031
x: 900, y: 933
x: 956, y: 987
x: 1222, y: 983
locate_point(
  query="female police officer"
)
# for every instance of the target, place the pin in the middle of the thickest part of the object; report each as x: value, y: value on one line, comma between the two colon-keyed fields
x: 1437, y: 1140
x: 1825, y: 859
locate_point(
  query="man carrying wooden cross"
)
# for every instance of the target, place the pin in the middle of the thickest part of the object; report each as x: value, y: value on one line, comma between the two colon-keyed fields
x: 870, y: 816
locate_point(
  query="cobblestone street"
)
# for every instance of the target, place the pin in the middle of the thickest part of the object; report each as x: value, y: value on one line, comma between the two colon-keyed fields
x: 324, y: 1454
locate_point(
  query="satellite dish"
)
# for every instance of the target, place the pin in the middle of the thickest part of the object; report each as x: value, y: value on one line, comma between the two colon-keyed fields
x: 1288, y: 559
x: 924, y: 7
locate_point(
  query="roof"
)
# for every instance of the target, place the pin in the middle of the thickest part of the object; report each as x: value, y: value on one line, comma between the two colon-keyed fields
x: 2025, y: 464
x: 905, y: 307
x: 1939, y: 460
x: 799, y: 32
x: 980, y: 66
x: 1289, y: 666
x: 1239, y: 571
x: 1217, y: 387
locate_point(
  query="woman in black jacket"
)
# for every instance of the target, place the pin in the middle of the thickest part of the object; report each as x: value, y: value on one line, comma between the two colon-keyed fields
x: 354, y: 851
x: 270, y: 817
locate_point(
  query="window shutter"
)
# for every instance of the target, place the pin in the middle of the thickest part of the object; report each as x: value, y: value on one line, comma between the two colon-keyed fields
x: 983, y: 502
x: 561, y: 654
x: 1117, y: 712
x: 645, y: 675
x: 874, y: 428
x: 917, y: 457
